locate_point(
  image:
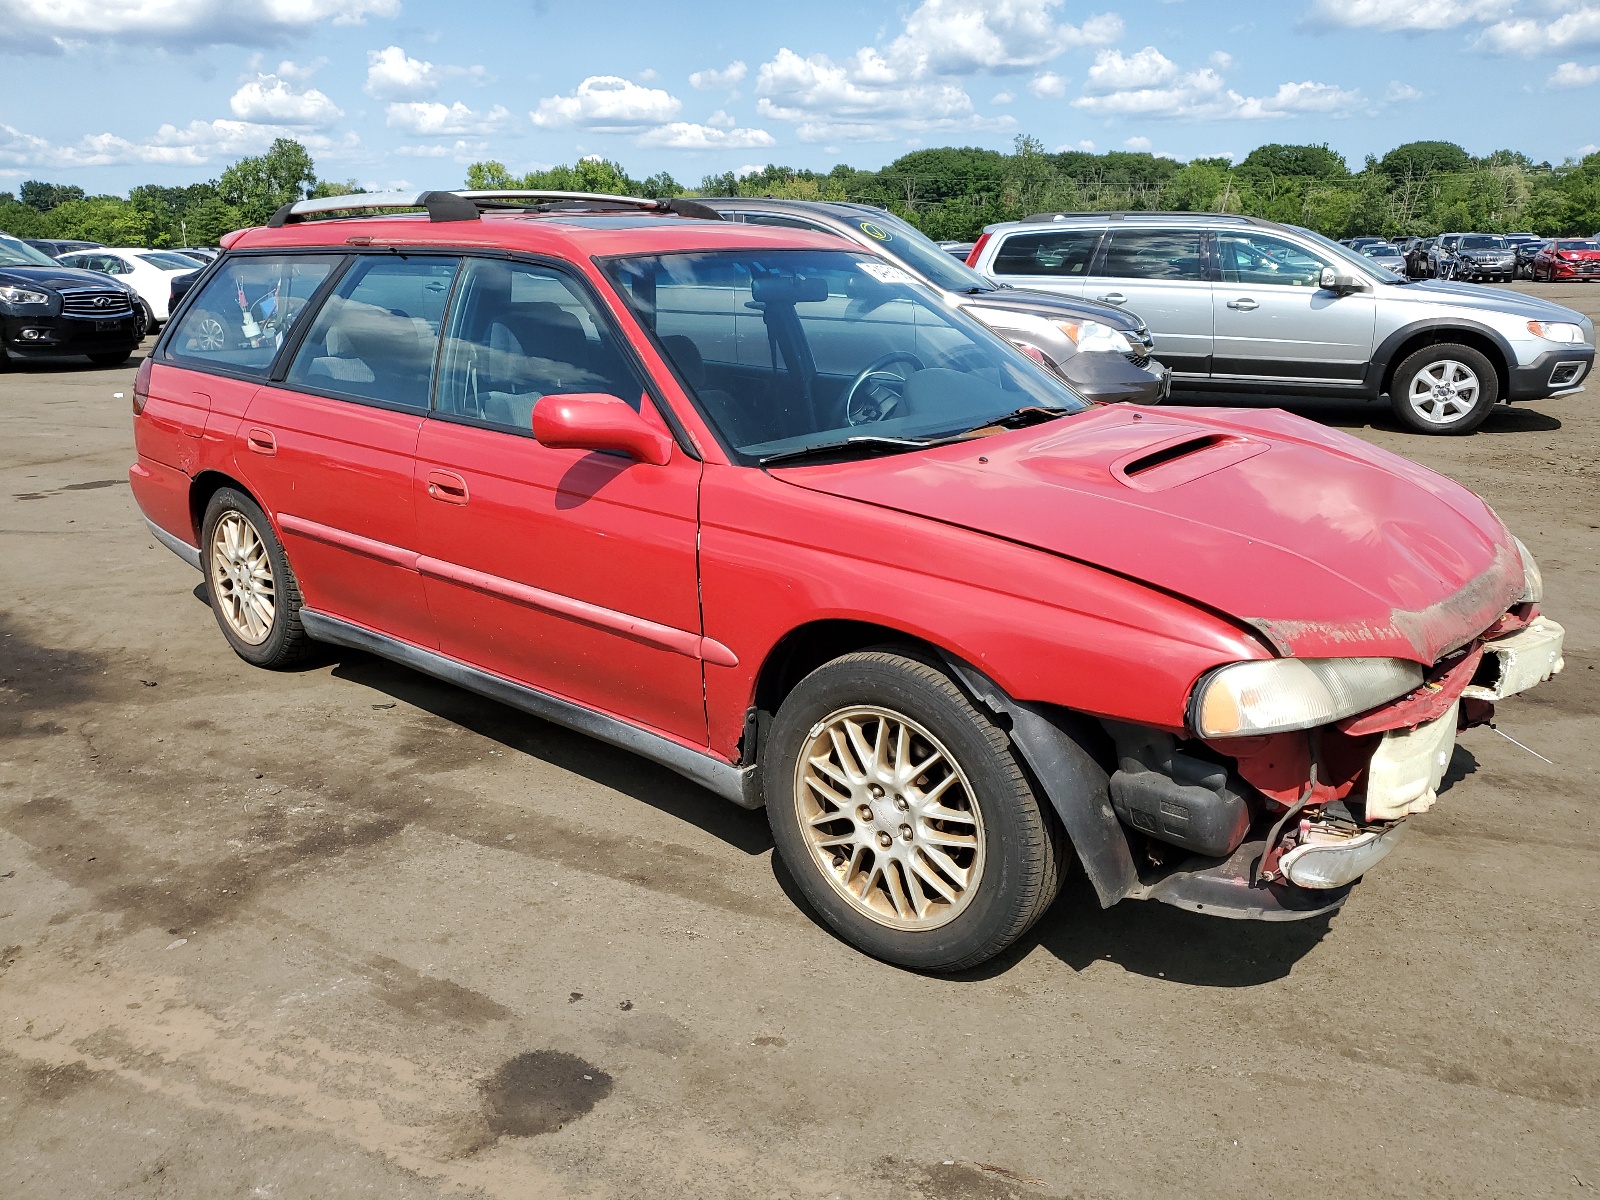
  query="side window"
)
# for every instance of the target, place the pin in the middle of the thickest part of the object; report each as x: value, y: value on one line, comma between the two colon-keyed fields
x: 1257, y: 258
x: 375, y: 337
x: 1056, y: 252
x: 1155, y: 254
x: 518, y: 332
x: 241, y: 317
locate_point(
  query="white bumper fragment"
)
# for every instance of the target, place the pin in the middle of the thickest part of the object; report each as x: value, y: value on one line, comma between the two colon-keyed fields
x: 1525, y: 658
x: 1408, y: 767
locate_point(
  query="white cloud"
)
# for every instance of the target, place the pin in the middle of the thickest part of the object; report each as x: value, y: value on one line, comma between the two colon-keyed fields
x: 392, y: 74
x: 196, y: 144
x: 607, y: 104
x: 1574, y: 29
x: 462, y: 151
x: 1003, y: 98
x: 46, y: 25
x: 711, y: 81
x: 1139, y: 144
x: 1401, y: 93
x: 1047, y: 85
x: 1410, y: 16
x: 1114, y: 72
x: 721, y: 120
x: 684, y: 135
x: 429, y: 118
x: 958, y: 37
x: 294, y: 72
x: 1574, y: 75
x: 268, y: 99
x: 1086, y: 146
x: 1148, y: 84
x: 860, y: 99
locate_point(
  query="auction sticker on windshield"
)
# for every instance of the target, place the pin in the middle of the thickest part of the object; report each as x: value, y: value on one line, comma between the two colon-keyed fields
x: 884, y: 273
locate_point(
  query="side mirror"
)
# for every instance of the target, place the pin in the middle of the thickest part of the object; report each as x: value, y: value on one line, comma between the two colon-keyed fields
x: 592, y: 421
x: 1332, y: 281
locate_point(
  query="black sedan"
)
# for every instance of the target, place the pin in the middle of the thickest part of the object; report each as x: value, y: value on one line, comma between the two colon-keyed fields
x: 47, y: 309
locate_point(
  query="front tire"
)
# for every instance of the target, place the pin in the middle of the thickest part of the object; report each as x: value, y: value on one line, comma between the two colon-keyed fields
x: 904, y: 817
x: 253, y: 591
x: 1444, y: 389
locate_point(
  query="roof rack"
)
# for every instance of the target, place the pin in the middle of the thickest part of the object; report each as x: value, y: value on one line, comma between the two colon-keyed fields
x: 470, y: 205
x: 1155, y: 214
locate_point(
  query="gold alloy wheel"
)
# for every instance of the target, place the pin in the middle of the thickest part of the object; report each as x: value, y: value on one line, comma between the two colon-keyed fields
x: 890, y: 818
x: 241, y: 578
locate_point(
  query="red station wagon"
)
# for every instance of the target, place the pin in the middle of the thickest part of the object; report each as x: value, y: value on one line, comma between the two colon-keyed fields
x: 752, y: 503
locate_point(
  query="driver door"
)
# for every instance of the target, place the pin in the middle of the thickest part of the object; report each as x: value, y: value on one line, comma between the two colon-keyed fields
x: 571, y: 571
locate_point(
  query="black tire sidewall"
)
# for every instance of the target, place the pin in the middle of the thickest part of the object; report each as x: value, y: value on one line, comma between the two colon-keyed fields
x: 285, y: 643
x: 996, y: 915
x: 1488, y: 388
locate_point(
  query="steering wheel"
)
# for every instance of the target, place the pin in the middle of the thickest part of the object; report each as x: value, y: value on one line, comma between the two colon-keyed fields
x: 865, y: 410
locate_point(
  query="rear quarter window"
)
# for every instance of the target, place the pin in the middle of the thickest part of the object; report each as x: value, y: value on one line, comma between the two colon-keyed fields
x: 1051, y: 252
x: 245, y: 311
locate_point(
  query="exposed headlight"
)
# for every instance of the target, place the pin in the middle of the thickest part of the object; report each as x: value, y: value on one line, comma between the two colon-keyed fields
x: 1282, y: 694
x: 17, y: 295
x: 1532, y: 577
x: 1092, y: 336
x: 1556, y: 331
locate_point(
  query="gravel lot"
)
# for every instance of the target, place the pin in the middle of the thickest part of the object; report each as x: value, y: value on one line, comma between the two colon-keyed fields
x: 349, y: 932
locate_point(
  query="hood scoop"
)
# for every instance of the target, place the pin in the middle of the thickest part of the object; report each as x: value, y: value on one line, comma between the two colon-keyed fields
x: 1182, y: 459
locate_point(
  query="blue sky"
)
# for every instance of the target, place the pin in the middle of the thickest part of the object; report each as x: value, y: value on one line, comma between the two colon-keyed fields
x: 110, y: 93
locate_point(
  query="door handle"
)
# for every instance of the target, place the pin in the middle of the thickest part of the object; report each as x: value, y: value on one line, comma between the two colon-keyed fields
x: 261, y: 441
x: 447, y: 486
x: 1112, y: 298
x: 1243, y: 304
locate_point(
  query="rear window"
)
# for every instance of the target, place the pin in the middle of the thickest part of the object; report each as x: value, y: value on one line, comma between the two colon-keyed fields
x: 241, y: 317
x: 1050, y: 252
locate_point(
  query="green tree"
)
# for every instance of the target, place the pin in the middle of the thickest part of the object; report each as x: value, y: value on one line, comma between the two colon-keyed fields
x: 261, y: 185
x: 1424, y: 158
x: 42, y: 197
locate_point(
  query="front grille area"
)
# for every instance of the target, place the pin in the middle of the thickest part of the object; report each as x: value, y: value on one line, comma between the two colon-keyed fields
x: 96, y: 304
x: 1139, y: 360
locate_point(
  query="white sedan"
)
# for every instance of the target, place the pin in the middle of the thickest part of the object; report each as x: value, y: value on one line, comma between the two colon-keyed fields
x: 148, y: 272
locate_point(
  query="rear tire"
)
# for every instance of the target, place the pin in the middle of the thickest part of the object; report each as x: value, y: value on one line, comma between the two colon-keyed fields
x: 904, y: 817
x: 1444, y: 389
x: 253, y: 591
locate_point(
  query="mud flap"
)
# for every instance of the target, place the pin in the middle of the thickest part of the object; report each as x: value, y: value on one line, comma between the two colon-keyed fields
x: 1078, y: 787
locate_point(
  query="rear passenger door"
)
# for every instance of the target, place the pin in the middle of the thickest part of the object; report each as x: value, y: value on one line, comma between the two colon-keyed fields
x: 1161, y: 275
x: 1049, y: 260
x: 329, y: 449
x: 571, y: 571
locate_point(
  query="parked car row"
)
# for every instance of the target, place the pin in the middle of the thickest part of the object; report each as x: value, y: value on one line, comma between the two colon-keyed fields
x: 757, y: 503
x: 50, y: 308
x: 1242, y: 305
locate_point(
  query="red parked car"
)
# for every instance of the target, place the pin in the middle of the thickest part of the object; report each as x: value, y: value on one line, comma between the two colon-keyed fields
x: 1567, y: 258
x: 752, y: 503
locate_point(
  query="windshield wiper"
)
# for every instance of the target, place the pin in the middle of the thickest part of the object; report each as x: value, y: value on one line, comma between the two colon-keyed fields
x: 862, y: 441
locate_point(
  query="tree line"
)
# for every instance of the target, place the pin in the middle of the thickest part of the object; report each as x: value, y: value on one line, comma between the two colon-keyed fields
x: 950, y: 193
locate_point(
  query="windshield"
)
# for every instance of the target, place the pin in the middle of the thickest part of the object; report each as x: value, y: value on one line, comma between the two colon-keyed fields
x: 19, y: 254
x: 790, y: 350
x: 1379, y: 248
x: 1578, y: 245
x: 918, y: 251
x: 1482, y: 242
x: 169, y: 261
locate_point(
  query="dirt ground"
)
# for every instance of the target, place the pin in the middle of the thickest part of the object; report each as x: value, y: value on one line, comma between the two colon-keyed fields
x: 350, y: 932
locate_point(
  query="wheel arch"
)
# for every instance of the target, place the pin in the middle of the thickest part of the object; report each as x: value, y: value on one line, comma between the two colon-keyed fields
x: 1405, y: 342
x: 206, y: 485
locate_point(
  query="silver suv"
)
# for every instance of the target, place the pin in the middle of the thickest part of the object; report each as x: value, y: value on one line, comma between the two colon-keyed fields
x: 1242, y: 305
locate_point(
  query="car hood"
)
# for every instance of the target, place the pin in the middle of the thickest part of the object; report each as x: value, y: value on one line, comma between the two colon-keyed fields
x: 1055, y: 307
x: 1325, y: 545
x: 1474, y: 296
x: 55, y: 278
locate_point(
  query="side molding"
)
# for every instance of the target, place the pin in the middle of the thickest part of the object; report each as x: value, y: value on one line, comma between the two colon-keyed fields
x: 739, y: 784
x: 1078, y: 787
x: 177, y: 545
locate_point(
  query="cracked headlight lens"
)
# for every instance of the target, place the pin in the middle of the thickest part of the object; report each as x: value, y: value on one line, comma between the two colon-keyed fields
x: 1532, y: 577
x: 1282, y: 694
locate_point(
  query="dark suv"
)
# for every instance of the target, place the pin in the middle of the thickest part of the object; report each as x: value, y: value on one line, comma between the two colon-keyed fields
x: 49, y: 309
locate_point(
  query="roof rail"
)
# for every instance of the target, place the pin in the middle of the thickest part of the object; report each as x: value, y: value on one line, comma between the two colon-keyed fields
x: 469, y: 205
x: 1124, y: 214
